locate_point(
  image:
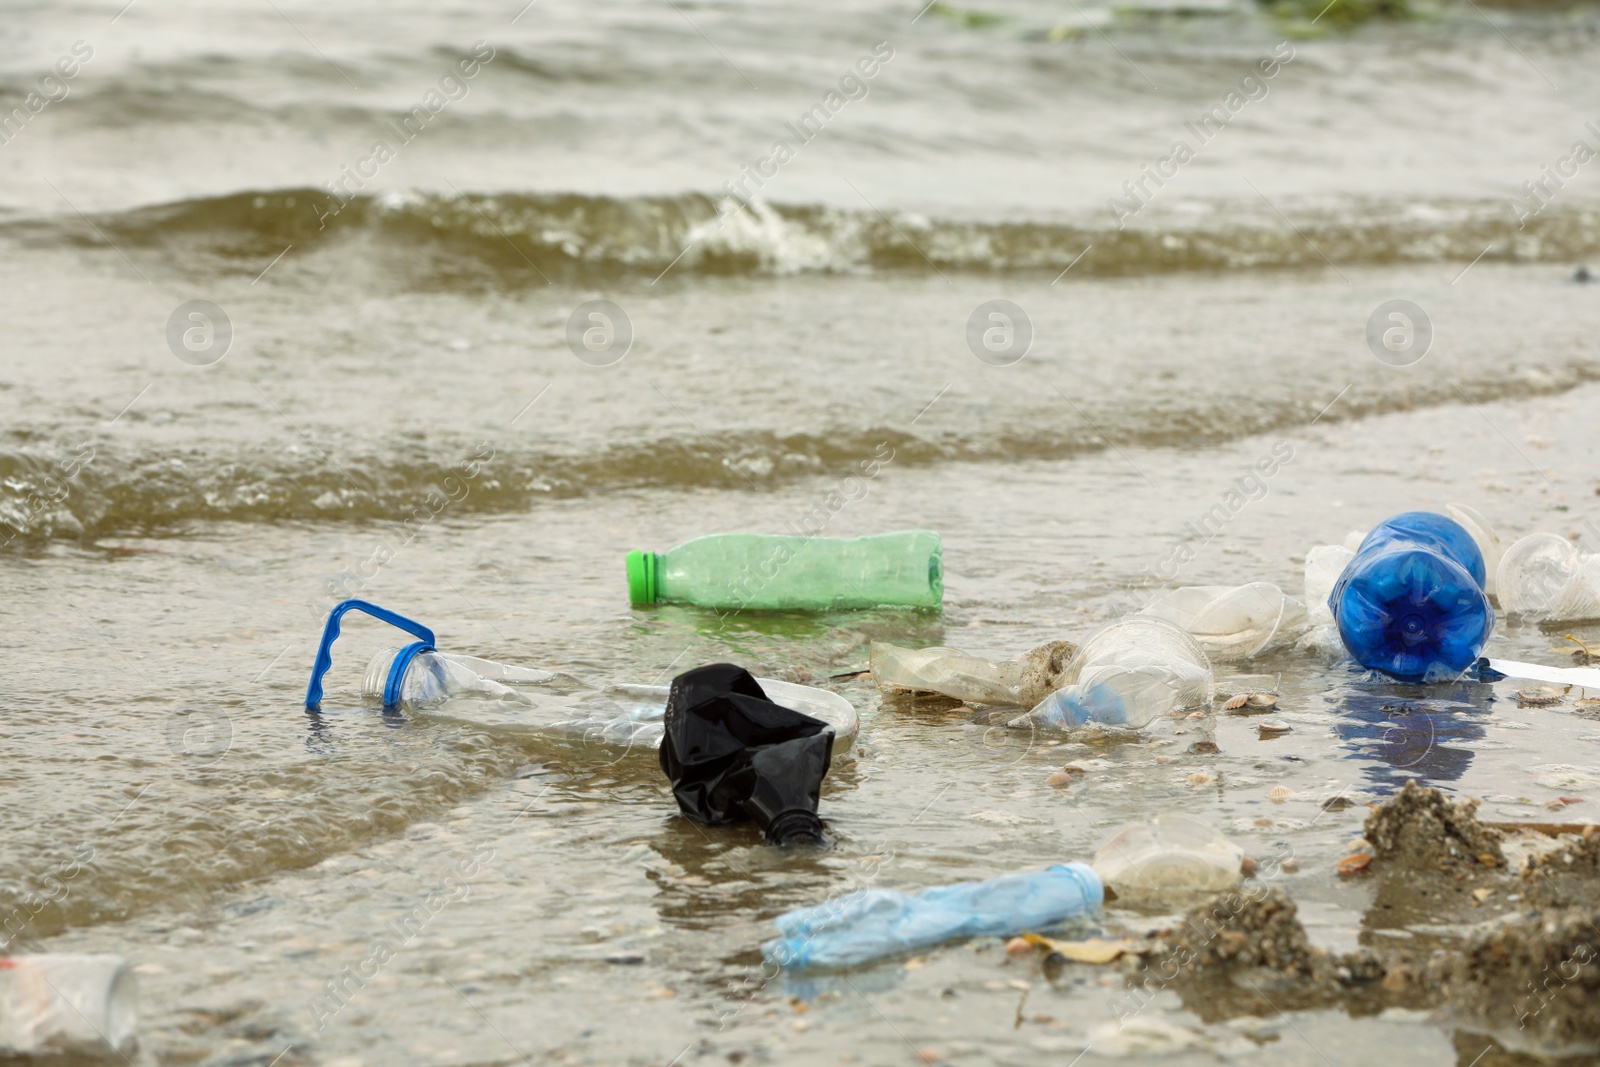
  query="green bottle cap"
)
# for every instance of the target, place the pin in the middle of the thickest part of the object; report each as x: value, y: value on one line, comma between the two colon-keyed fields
x: 642, y: 588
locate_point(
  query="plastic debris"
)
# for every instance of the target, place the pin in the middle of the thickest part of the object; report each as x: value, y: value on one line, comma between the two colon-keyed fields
x: 732, y: 754
x: 1545, y: 577
x: 1022, y: 681
x: 1166, y: 854
x: 1411, y: 603
x: 1126, y: 675
x: 778, y: 571
x: 873, y: 923
x: 87, y: 1005
x: 1233, y: 623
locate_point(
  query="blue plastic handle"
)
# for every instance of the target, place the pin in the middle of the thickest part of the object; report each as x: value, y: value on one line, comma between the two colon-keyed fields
x: 330, y: 633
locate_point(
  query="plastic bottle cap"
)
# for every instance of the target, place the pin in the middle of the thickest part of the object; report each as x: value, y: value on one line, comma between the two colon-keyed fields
x: 642, y: 587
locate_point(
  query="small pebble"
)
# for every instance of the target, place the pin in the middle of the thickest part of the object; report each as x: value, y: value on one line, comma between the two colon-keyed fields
x: 1204, y: 748
x: 1199, y: 778
x: 1060, y: 779
x: 1018, y: 946
x: 928, y: 1055
x: 1272, y: 728
x: 1290, y: 865
x: 1354, y: 864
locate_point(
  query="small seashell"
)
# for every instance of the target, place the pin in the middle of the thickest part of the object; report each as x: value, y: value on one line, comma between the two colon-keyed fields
x: 1236, y: 702
x: 1060, y: 779
x: 1199, y: 778
x: 1263, y: 824
x: 1539, y: 696
x: 1354, y: 864
x: 1166, y: 759
x: 1248, y: 866
x: 1272, y: 728
x: 1196, y: 715
x: 1280, y: 793
x: 1204, y: 748
x: 1356, y: 844
x: 1487, y: 860
x: 1262, y: 700
x: 1018, y: 946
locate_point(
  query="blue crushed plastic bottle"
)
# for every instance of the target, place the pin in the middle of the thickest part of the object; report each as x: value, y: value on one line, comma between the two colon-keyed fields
x: 873, y: 923
x: 1412, y: 603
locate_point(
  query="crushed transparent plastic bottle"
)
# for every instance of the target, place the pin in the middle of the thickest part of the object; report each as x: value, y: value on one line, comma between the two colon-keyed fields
x: 632, y: 716
x: 1411, y: 602
x: 433, y: 677
x: 87, y: 1005
x: 1544, y: 576
x: 1232, y: 622
x: 1022, y: 680
x: 1127, y: 674
x: 1167, y: 854
x: 418, y: 677
x: 871, y: 924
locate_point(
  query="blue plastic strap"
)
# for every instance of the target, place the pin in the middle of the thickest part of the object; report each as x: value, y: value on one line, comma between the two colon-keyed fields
x: 397, y: 672
x: 330, y: 633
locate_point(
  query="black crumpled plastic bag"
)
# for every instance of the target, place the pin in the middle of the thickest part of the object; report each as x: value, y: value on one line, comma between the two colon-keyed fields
x: 732, y: 754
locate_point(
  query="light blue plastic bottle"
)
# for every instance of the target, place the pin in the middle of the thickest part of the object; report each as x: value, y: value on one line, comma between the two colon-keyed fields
x: 1411, y: 603
x: 872, y: 923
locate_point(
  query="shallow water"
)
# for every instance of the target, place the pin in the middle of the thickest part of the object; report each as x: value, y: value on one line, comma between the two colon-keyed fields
x: 399, y: 416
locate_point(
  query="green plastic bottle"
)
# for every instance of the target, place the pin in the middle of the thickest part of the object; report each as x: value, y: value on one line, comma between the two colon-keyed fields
x: 775, y: 572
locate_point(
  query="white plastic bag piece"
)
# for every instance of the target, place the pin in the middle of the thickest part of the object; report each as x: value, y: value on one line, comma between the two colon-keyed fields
x: 1546, y: 577
x: 1232, y: 622
x: 1170, y: 853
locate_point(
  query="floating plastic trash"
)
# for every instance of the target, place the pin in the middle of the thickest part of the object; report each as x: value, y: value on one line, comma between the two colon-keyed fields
x: 1232, y: 622
x: 1545, y: 577
x: 419, y: 678
x: 771, y: 572
x: 870, y: 924
x: 732, y: 754
x: 87, y: 1005
x: 1169, y: 853
x: 1022, y: 681
x: 1128, y: 674
x: 1411, y: 603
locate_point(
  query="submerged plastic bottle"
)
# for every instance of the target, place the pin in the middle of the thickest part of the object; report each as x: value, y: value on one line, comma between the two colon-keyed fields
x: 872, y: 923
x: 1411, y: 603
x: 1232, y: 622
x: 86, y: 1005
x: 418, y: 677
x: 771, y: 572
x: 1022, y: 680
x: 429, y: 678
x: 1545, y: 576
x: 1127, y: 674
